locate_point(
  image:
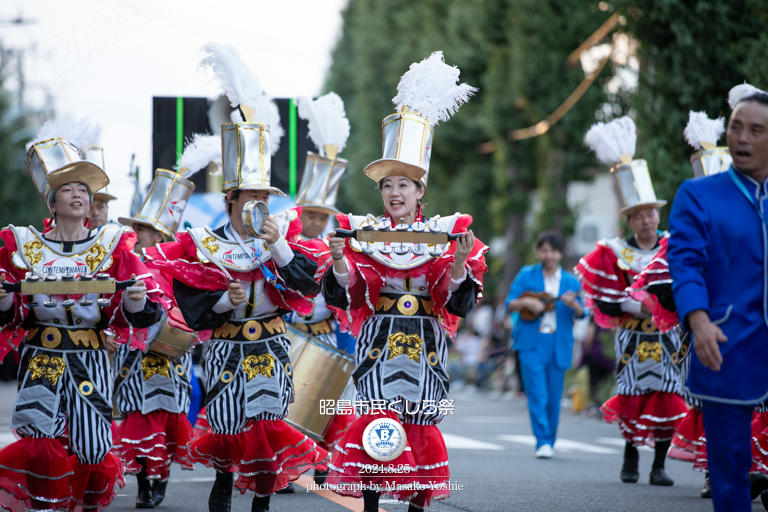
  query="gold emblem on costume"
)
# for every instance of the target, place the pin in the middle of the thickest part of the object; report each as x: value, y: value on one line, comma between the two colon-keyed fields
x: 86, y: 387
x: 374, y: 353
x: 258, y: 365
x: 277, y: 324
x: 51, y: 368
x: 32, y: 252
x: 97, y: 255
x: 408, y: 305
x: 384, y: 302
x: 432, y: 358
x: 226, y: 377
x: 87, y: 337
x: 288, y: 368
x: 152, y: 364
x: 210, y: 245
x: 252, y: 330
x: 124, y: 371
x: 628, y: 256
x: 31, y: 333
x: 649, y: 349
x: 428, y: 305
x: 400, y: 343
x: 648, y: 325
x: 323, y: 327
x: 179, y: 370
x: 226, y: 331
x: 51, y: 337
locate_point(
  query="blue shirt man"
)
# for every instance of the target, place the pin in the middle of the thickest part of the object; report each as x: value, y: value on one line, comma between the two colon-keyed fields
x: 545, y: 344
x: 718, y: 258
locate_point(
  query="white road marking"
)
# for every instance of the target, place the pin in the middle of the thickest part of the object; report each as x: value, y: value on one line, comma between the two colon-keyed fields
x: 563, y: 445
x: 464, y: 443
x: 621, y: 442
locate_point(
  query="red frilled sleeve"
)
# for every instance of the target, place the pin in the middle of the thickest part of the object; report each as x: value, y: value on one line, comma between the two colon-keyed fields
x: 603, y: 280
x: 11, y: 334
x: 655, y: 273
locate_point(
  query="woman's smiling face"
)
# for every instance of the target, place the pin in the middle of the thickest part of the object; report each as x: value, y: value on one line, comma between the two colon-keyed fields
x: 401, y: 197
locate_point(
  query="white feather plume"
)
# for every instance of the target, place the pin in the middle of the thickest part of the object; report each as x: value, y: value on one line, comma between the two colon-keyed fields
x: 199, y: 152
x: 67, y: 127
x: 267, y: 113
x: 610, y: 141
x: 430, y: 87
x: 328, y: 123
x: 700, y: 129
x: 736, y: 94
x: 94, y: 134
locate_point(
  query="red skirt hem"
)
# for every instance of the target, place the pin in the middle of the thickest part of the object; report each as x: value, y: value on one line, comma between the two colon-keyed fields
x: 760, y: 442
x: 93, y: 485
x: 644, y: 419
x: 690, y: 441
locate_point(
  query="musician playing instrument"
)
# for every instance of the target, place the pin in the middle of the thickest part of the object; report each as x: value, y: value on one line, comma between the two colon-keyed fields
x: 393, y: 297
x: 239, y: 280
x: 65, y: 388
x: 545, y: 343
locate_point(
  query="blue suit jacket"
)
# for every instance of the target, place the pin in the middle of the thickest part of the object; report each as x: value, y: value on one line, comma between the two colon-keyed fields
x: 526, y: 334
x: 718, y: 261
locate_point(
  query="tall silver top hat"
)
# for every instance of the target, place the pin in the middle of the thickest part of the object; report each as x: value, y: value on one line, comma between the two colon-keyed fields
x: 427, y: 94
x: 702, y: 134
x: 95, y: 155
x: 55, y: 158
x: 614, y: 144
x: 164, y: 205
x: 247, y: 147
x: 329, y: 131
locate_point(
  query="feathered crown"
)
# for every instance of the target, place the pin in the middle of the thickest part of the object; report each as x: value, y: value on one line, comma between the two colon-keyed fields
x: 701, y: 132
x: 200, y: 151
x: 328, y: 123
x: 613, y: 142
x: 740, y: 92
x: 427, y: 94
x: 243, y: 89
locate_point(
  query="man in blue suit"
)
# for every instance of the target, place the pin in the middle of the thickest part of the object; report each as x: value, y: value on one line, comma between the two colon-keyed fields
x: 545, y: 344
x: 718, y: 258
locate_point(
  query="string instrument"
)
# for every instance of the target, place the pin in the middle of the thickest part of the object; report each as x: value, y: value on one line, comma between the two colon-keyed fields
x: 549, y: 304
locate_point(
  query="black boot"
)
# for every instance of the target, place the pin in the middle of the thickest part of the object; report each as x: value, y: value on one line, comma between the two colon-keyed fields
x: 288, y: 489
x: 158, y: 491
x: 260, y: 504
x: 758, y: 483
x: 414, y: 508
x: 220, y: 499
x: 658, y: 475
x: 144, y: 498
x: 706, y: 491
x: 629, y: 473
x: 320, y: 476
x: 764, y: 499
x: 370, y: 501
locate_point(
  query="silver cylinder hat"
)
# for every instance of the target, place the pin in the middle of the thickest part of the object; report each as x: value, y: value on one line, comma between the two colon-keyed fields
x: 320, y: 183
x: 246, y: 157
x: 56, y: 162
x: 707, y: 162
x: 164, y: 205
x: 406, y: 148
x: 636, y: 187
x: 95, y: 155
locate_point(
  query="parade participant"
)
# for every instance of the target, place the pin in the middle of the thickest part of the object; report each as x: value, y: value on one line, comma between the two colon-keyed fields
x: 717, y: 261
x: 544, y: 335
x: 152, y: 391
x: 648, y: 405
x: 65, y: 389
x: 238, y: 284
x: 401, y: 301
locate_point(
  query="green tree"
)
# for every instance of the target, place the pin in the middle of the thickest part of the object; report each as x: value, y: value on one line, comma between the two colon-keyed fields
x: 515, y: 51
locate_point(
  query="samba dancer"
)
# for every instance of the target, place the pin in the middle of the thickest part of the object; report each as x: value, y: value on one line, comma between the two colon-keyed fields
x: 152, y: 391
x: 65, y: 389
x: 239, y: 285
x: 392, y: 297
x: 648, y: 405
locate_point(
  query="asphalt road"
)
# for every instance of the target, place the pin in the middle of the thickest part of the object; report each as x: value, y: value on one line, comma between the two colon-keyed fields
x: 490, y: 447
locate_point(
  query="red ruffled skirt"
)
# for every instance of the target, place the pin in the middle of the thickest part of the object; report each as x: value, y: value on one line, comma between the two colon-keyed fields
x: 690, y: 441
x: 760, y: 442
x: 161, y: 437
x: 202, y: 427
x: 336, y: 429
x: 643, y: 419
x: 267, y: 456
x: 350, y: 467
x: 39, y: 473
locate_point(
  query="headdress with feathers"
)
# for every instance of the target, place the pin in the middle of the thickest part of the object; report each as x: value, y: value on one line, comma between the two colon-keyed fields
x: 613, y: 142
x: 703, y: 131
x: 328, y: 123
x: 200, y: 151
x: 76, y: 131
x: 740, y: 92
x: 243, y: 89
x: 430, y: 88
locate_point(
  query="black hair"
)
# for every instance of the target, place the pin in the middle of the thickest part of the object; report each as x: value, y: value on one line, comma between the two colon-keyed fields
x: 418, y: 183
x: 229, y: 200
x: 757, y: 97
x: 53, y: 196
x: 551, y: 238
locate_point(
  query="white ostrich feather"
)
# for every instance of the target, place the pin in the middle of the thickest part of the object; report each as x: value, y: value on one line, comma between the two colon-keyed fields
x: 199, y: 152
x: 328, y: 123
x: 736, y: 94
x: 67, y: 127
x: 94, y: 134
x: 267, y: 113
x: 700, y: 129
x: 430, y: 87
x: 610, y: 141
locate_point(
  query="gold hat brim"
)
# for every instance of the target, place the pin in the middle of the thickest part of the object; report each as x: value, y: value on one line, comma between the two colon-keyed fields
x: 380, y: 169
x: 642, y: 206
x: 103, y: 197
x: 319, y: 208
x: 130, y: 221
x: 271, y: 190
x: 79, y: 172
